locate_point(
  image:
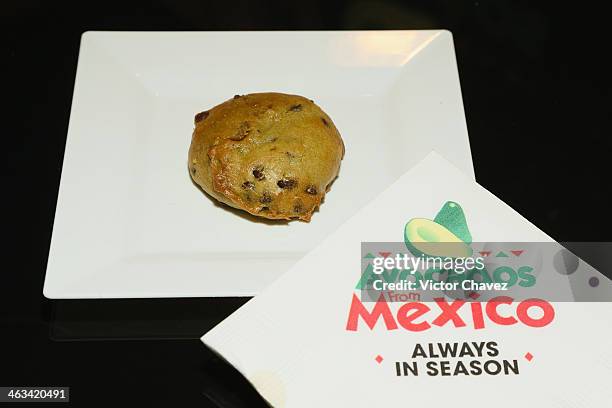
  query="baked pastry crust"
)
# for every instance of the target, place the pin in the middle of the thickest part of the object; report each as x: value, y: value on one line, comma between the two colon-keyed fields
x: 271, y: 154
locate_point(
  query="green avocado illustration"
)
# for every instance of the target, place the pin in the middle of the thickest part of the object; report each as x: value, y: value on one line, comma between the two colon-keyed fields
x: 426, y: 237
x: 451, y: 216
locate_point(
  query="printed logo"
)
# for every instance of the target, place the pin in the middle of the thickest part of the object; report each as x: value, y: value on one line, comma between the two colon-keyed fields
x: 441, y: 261
x: 423, y: 236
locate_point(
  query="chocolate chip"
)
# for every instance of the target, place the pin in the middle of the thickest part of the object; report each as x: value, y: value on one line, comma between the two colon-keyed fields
x: 247, y: 185
x: 258, y: 173
x: 286, y: 183
x: 325, y: 122
x: 201, y: 116
x: 237, y: 96
x: 265, y: 198
x: 312, y: 190
x: 296, y: 108
x: 298, y: 208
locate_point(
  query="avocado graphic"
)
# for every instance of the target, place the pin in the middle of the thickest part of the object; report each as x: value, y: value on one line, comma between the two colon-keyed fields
x: 446, y: 236
x: 451, y: 216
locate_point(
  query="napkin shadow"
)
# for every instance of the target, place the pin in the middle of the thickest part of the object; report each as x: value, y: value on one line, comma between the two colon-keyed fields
x: 226, y: 387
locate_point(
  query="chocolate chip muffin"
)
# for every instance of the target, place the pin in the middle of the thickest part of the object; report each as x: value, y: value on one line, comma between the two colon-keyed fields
x: 270, y: 154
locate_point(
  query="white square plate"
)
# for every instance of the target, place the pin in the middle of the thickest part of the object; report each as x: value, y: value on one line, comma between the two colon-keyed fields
x: 130, y: 223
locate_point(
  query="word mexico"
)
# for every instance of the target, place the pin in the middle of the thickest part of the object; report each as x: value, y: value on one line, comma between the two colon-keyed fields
x: 419, y: 316
x: 423, y: 262
x: 437, y: 357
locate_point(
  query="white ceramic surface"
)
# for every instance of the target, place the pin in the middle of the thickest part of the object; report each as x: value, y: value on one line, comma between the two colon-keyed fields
x: 129, y: 222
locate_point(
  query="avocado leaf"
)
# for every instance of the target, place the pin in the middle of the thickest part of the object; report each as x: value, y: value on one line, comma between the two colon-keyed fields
x: 452, y: 217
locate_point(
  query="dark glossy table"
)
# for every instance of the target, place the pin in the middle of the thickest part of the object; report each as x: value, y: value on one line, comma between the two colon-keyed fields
x: 536, y: 88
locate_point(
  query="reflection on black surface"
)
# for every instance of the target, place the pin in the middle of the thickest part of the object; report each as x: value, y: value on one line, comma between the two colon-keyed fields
x: 137, y: 320
x: 117, y: 319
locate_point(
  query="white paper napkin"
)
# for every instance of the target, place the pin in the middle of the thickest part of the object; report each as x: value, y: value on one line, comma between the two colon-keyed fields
x: 293, y: 342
